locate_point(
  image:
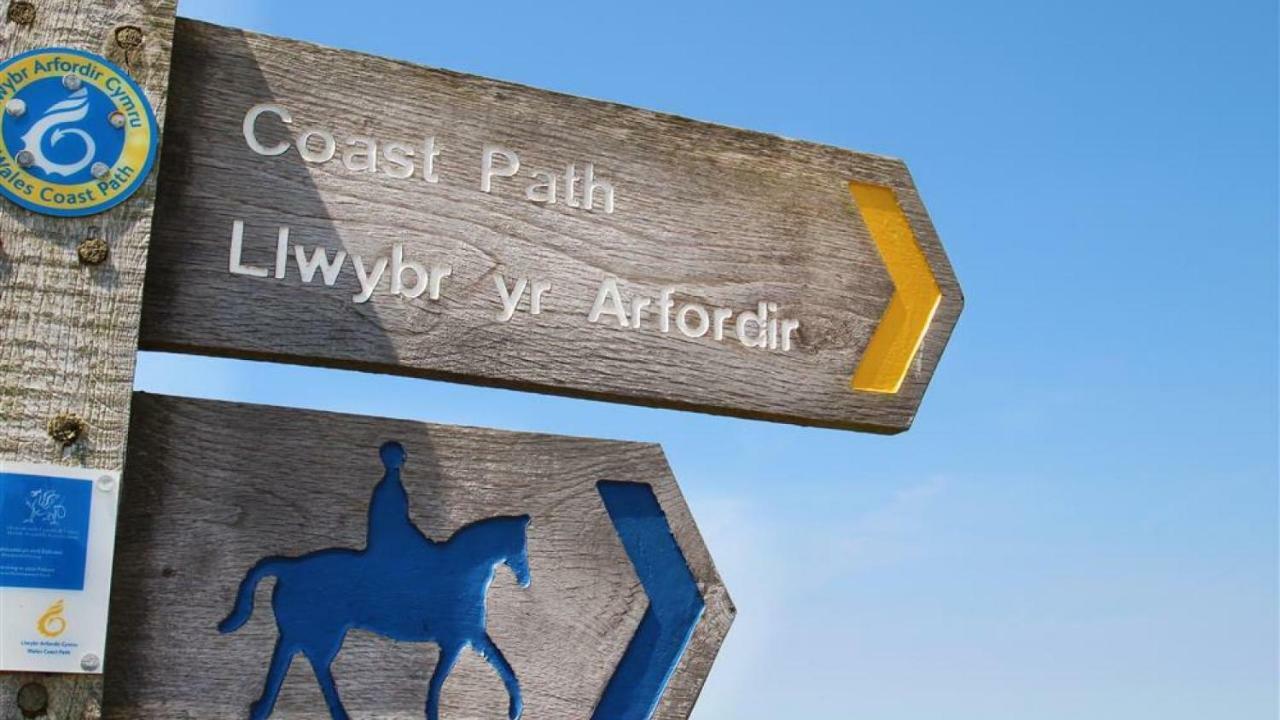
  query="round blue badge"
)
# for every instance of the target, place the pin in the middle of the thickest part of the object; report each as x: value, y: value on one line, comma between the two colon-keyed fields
x: 77, y: 134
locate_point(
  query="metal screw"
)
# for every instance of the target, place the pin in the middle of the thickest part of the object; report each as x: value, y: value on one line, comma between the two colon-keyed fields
x: 66, y: 428
x: 106, y: 483
x: 33, y: 700
x: 116, y: 119
x: 90, y: 662
x: 22, y: 12
x: 71, y: 82
x: 99, y: 169
x: 93, y: 250
x: 16, y: 107
x: 25, y: 158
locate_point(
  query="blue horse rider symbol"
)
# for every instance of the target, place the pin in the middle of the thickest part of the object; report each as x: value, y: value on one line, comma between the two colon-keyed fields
x: 401, y: 585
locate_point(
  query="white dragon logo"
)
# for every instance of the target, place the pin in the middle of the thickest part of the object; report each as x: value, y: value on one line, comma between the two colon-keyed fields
x: 45, y: 505
x: 71, y: 110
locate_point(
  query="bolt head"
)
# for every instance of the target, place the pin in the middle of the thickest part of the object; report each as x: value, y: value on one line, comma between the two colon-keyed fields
x: 16, y: 107
x: 25, y: 158
x: 66, y: 428
x: 99, y: 169
x: 90, y: 662
x: 71, y: 82
x: 22, y: 12
x: 129, y: 36
x: 93, y: 251
x: 116, y: 119
x: 33, y: 699
x: 106, y: 483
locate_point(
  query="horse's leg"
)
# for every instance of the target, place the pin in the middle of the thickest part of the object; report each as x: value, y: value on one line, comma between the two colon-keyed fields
x: 320, y: 663
x: 448, y: 658
x: 280, y: 660
x: 489, y: 651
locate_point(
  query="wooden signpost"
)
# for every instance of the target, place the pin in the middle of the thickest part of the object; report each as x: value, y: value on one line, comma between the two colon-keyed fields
x: 70, y: 298
x: 326, y: 207
x: 215, y: 487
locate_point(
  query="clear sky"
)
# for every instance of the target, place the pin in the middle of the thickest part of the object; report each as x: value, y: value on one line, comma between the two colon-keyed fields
x: 1083, y: 521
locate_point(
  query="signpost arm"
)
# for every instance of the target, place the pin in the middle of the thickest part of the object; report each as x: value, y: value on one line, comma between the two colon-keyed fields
x: 70, y: 299
x: 719, y: 270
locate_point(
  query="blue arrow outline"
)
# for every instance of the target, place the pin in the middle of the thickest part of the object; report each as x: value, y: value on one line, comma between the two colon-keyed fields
x: 675, y: 605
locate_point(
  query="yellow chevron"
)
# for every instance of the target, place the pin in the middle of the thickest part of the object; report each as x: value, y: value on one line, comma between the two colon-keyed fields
x: 916, y: 295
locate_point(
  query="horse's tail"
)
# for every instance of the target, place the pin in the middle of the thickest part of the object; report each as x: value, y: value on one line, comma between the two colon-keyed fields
x: 244, y: 599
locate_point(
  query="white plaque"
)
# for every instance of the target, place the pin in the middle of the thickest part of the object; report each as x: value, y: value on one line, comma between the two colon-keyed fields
x: 57, y: 534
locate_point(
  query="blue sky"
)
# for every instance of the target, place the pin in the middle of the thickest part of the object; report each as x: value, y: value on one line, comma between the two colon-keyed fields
x: 1083, y: 521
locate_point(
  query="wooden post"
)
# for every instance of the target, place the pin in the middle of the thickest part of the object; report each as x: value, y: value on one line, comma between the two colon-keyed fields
x: 68, y: 314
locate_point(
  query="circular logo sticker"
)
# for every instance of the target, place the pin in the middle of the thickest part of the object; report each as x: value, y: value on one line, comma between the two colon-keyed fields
x: 77, y: 135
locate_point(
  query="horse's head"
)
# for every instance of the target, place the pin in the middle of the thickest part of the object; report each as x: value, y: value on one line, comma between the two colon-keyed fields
x: 496, y: 541
x: 517, y: 556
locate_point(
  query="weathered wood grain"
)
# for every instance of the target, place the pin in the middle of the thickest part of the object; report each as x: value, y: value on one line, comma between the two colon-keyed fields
x: 68, y: 332
x: 728, y: 217
x: 214, y: 487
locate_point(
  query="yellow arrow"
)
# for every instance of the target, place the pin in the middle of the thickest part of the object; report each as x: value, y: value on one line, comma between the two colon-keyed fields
x: 915, y: 298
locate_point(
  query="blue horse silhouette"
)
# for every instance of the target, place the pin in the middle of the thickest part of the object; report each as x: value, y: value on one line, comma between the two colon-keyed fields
x: 402, y: 585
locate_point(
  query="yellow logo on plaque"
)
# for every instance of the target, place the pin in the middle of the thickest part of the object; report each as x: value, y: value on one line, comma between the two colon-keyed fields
x: 77, y: 135
x: 51, y: 624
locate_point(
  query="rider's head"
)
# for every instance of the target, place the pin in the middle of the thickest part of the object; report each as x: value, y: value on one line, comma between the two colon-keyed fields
x: 393, y: 455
